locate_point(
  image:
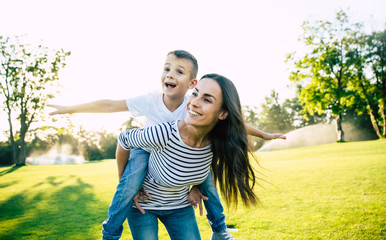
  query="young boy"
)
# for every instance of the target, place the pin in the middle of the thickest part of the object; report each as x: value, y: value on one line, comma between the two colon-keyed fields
x: 179, y: 75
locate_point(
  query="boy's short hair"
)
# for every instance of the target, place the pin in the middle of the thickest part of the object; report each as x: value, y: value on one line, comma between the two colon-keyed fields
x: 186, y: 55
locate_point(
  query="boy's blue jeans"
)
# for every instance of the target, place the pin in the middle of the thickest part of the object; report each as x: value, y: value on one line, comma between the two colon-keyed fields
x: 131, y: 182
x: 180, y: 223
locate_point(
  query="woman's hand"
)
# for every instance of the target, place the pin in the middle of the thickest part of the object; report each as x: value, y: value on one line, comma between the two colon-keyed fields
x: 195, y: 196
x: 143, y: 196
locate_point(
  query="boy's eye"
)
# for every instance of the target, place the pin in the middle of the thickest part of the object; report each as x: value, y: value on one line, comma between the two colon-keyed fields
x: 180, y: 72
x: 194, y: 94
x: 166, y: 69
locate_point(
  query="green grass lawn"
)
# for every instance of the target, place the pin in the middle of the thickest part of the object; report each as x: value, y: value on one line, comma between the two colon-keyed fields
x: 334, y: 191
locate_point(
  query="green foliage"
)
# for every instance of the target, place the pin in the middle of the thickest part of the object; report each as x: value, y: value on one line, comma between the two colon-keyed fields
x: 108, y: 145
x: 342, y: 69
x: 295, y: 108
x: 91, y: 152
x: 278, y: 117
x: 5, y: 153
x: 91, y: 145
x: 274, y: 116
x: 324, y: 72
x: 333, y: 191
x: 130, y: 124
x: 28, y: 79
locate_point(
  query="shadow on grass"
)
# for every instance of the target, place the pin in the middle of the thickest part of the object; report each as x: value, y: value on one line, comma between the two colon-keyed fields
x: 58, y: 208
x: 9, y: 170
x: 4, y: 185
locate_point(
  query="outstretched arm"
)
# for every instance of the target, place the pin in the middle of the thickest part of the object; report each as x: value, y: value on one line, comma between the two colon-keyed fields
x: 99, y: 106
x: 266, y: 136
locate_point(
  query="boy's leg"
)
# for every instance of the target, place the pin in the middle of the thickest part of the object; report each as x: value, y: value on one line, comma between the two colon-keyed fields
x: 213, y: 206
x: 181, y: 224
x: 128, y: 187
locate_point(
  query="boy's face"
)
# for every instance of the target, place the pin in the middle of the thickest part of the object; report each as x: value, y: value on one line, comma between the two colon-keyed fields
x: 176, y: 76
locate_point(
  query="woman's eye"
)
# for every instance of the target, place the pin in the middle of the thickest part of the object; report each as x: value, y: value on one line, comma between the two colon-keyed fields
x: 207, y: 100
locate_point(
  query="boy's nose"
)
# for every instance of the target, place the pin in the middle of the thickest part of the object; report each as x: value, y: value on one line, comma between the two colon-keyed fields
x: 170, y: 75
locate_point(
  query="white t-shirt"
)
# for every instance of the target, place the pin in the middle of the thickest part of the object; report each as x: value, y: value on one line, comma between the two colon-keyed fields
x: 152, y: 107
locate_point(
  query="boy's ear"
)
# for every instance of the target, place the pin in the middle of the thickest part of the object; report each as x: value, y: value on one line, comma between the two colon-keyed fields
x: 193, y: 83
x: 223, y: 115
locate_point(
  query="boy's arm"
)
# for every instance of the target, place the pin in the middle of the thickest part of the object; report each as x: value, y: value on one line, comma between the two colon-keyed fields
x: 99, y: 106
x: 266, y: 136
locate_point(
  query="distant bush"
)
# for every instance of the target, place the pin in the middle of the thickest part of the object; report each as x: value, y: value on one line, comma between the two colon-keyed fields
x: 5, y: 153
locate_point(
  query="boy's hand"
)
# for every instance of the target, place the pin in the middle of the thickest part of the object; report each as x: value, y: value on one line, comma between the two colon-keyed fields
x: 59, y: 109
x: 195, y: 197
x: 143, y: 196
x: 271, y: 136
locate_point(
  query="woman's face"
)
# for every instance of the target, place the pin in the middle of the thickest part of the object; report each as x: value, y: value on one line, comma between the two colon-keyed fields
x: 204, y: 105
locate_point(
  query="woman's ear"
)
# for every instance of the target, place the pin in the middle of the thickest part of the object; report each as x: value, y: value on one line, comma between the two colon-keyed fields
x: 223, y: 115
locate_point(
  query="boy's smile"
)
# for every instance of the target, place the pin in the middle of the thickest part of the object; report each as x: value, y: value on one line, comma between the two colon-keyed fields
x: 170, y: 85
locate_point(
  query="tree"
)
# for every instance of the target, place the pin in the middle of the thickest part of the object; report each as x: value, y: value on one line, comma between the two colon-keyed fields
x: 108, y: 144
x: 376, y: 59
x: 130, y: 124
x: 301, y: 118
x: 251, y: 117
x: 326, y: 68
x: 274, y: 117
x: 368, y: 59
x: 28, y: 79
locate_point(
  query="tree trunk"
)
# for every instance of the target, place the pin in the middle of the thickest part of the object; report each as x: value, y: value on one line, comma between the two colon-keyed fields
x: 21, y: 157
x: 382, y: 111
x: 12, y: 139
x: 374, y: 121
x: 22, y: 153
x: 339, y: 128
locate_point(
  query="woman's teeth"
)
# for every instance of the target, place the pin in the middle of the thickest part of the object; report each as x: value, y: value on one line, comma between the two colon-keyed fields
x: 193, y: 113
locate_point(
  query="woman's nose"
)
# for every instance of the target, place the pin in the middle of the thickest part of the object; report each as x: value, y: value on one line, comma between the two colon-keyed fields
x: 195, y: 101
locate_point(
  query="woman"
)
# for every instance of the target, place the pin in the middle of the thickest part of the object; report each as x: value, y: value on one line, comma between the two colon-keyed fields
x: 212, y: 135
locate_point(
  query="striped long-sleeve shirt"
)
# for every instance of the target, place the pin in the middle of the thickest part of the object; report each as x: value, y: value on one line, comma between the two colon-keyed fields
x: 173, y: 165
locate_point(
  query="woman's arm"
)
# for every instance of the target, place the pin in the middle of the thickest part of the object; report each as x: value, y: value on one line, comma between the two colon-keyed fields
x: 154, y: 137
x: 122, y: 157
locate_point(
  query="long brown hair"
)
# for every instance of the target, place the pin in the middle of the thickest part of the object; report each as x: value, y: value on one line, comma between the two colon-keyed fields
x: 231, y: 160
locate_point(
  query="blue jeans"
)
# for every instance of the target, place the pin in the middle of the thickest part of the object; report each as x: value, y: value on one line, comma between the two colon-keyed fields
x: 214, y: 208
x: 129, y: 186
x: 180, y: 223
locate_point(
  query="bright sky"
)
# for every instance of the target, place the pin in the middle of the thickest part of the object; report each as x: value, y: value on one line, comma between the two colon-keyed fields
x: 119, y: 47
